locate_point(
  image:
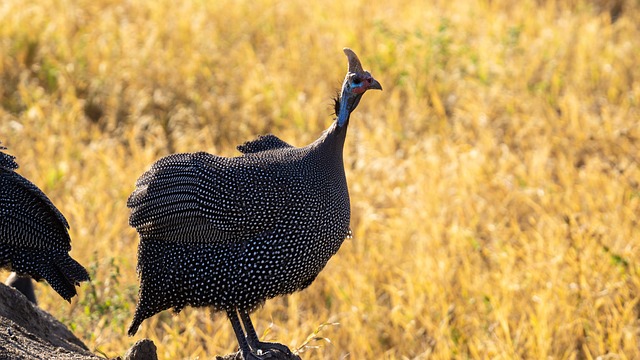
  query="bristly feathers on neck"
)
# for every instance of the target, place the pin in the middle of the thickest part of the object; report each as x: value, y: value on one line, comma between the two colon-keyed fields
x: 342, y: 112
x: 336, y: 105
x: 336, y: 130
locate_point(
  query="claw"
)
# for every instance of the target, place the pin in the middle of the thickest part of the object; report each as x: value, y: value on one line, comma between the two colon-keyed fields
x: 267, y: 350
x: 267, y: 346
x: 252, y: 356
x: 259, y: 356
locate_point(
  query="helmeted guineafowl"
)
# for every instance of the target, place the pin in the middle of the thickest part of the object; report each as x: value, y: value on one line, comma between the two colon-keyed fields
x: 230, y: 233
x: 34, y: 238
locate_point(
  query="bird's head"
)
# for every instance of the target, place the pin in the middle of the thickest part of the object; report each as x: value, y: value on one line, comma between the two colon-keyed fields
x: 356, y: 83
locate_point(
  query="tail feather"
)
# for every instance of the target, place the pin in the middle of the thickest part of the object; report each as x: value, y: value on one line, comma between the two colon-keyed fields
x: 135, y: 324
x: 61, y: 271
x: 72, y: 270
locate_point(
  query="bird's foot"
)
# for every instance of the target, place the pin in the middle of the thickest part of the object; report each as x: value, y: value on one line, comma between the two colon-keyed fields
x: 266, y: 347
x: 260, y: 355
x: 252, y: 356
x: 267, y: 350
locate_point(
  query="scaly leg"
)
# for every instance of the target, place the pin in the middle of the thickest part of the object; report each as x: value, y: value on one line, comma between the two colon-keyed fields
x: 242, y: 341
x: 253, y: 340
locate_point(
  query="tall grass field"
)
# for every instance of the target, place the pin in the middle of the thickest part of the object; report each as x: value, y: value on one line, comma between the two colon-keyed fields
x: 495, y: 182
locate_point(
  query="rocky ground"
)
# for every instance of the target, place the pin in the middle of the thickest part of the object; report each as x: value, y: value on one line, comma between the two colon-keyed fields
x: 28, y: 332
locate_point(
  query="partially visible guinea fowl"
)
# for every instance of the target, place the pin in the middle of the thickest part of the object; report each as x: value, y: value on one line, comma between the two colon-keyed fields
x: 34, y: 238
x: 230, y: 233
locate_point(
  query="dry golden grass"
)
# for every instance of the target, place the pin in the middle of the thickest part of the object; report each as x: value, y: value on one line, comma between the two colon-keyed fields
x: 494, y: 182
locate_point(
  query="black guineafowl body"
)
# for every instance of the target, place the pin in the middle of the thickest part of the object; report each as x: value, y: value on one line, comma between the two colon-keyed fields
x: 34, y: 238
x: 230, y: 233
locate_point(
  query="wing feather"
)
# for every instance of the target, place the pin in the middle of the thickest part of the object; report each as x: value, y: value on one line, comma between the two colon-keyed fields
x: 263, y: 143
x: 187, y: 198
x: 24, y: 206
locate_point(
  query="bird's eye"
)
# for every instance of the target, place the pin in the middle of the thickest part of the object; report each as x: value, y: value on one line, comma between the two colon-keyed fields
x: 357, y: 80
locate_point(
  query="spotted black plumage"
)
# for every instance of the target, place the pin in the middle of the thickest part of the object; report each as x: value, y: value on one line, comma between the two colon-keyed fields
x: 230, y: 233
x: 34, y: 238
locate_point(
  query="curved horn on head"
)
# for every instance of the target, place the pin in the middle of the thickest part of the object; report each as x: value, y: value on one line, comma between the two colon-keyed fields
x: 354, y: 62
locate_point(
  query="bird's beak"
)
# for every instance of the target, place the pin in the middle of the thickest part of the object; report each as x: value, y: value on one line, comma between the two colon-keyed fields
x: 375, y: 85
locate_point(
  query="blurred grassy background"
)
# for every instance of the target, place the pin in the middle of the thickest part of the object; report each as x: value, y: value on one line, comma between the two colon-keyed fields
x: 494, y: 181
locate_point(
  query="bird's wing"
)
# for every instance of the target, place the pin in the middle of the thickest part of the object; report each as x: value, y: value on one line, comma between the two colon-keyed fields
x: 198, y: 198
x: 15, y: 181
x: 28, y: 216
x: 263, y: 143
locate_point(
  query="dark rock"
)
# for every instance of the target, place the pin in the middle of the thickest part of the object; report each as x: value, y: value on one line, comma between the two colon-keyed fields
x: 144, y: 349
x: 28, y: 332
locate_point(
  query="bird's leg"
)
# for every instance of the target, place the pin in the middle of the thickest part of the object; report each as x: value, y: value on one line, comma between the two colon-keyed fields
x: 242, y: 340
x: 253, y: 340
